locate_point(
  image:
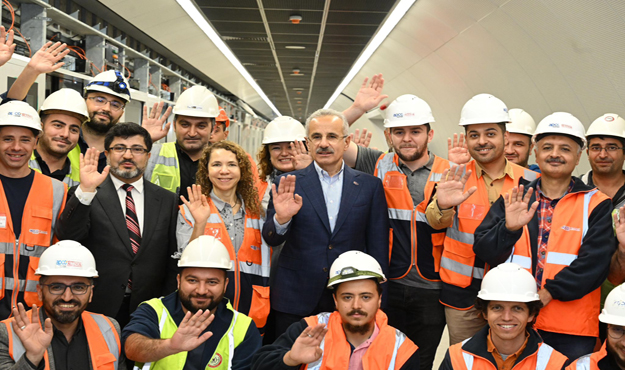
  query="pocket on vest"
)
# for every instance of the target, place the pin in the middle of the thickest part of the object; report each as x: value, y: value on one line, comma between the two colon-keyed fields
x: 163, y: 180
x: 259, y: 308
x: 105, y: 361
x: 437, y: 249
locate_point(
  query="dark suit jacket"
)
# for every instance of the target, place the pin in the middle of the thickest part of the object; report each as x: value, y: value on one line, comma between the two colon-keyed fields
x: 310, y: 248
x: 101, y: 227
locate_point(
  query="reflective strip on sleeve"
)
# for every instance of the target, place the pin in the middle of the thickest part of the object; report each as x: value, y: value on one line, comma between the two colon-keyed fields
x: 557, y: 258
x: 399, y: 214
x: 587, y: 198
x: 543, y: 356
x: 583, y: 363
x: 166, y: 161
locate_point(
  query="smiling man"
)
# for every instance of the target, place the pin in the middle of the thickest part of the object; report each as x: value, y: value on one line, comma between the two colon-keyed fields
x: 560, y: 229
x: 519, y: 145
x: 354, y: 336
x: 195, y: 327
x: 62, y: 335
x: 509, y: 302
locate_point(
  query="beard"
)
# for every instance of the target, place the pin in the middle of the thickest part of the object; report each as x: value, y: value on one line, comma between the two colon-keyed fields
x: 65, y: 317
x: 125, y: 174
x: 100, y: 125
x: 418, y: 154
x: 358, y: 329
x: 46, y: 142
x: 187, y: 303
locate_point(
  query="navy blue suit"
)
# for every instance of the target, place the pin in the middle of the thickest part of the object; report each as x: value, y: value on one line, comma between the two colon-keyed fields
x: 310, y: 247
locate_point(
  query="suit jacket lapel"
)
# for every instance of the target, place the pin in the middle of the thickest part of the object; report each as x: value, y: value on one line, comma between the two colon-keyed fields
x: 107, y: 196
x: 151, y: 210
x: 312, y: 187
x: 349, y: 195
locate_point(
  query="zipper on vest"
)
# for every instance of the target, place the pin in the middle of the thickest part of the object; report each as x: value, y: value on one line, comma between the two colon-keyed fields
x: 413, y: 241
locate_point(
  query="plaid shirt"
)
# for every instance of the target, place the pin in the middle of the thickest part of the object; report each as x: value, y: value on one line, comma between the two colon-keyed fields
x: 544, y: 212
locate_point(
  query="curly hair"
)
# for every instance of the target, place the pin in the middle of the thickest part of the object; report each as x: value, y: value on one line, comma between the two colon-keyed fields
x: 245, y: 186
x: 264, y: 162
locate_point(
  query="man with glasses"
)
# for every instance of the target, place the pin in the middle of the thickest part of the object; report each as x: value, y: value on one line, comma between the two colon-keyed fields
x: 62, y: 335
x: 320, y: 212
x: 128, y: 223
x: 611, y: 356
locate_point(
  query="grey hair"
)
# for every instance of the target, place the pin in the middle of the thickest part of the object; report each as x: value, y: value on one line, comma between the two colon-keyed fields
x: 325, y: 113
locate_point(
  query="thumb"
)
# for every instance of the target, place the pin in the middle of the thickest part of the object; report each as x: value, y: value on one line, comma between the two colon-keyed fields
x: 48, y: 326
x: 167, y: 126
x: 105, y: 171
x: 470, y: 192
x: 298, y: 198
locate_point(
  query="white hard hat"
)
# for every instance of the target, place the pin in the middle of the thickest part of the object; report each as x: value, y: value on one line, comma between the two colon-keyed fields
x: 521, y: 122
x: 614, y: 308
x: 110, y: 82
x: 67, y: 258
x: 609, y: 124
x: 508, y: 282
x: 561, y: 123
x: 408, y: 110
x: 206, y: 252
x: 197, y: 101
x: 284, y: 130
x: 66, y: 100
x: 484, y: 108
x: 19, y: 113
x: 355, y: 265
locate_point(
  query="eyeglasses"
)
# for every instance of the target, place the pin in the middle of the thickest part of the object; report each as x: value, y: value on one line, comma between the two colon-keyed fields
x: 101, y: 101
x: 135, y: 150
x: 615, y: 332
x: 59, y: 288
x: 330, y: 138
x: 609, y: 148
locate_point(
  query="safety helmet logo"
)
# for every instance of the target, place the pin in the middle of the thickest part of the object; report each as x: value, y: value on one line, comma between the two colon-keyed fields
x: 69, y: 264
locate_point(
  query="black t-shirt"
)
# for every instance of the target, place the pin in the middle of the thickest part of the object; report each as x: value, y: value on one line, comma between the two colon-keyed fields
x: 58, y: 174
x: 82, y: 144
x: 188, y: 169
x: 16, y: 191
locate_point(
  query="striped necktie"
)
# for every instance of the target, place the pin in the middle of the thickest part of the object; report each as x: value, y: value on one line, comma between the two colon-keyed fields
x: 132, y: 222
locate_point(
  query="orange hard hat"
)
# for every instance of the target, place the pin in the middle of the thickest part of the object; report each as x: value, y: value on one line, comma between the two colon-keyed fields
x: 223, y: 117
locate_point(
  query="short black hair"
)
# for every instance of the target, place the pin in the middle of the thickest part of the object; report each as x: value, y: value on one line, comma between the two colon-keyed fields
x: 502, y: 126
x: 126, y: 130
x: 579, y: 141
x: 533, y: 307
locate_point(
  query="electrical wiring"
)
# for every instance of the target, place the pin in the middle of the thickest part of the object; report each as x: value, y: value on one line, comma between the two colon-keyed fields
x: 12, y: 11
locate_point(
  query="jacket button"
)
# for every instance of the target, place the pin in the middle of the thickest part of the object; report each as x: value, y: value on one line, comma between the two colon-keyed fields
x: 325, y: 269
x: 330, y: 246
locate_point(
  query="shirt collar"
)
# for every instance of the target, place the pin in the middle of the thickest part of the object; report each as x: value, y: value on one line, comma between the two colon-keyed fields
x: 220, y: 204
x: 138, y: 185
x: 323, y: 174
x: 428, y: 165
x: 492, y: 349
x: 540, y: 193
x: 507, y: 170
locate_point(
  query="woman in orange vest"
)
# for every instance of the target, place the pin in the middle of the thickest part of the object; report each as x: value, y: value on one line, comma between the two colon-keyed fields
x: 225, y: 204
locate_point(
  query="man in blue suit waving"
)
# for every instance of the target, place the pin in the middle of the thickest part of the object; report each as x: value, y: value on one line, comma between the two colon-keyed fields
x: 320, y: 212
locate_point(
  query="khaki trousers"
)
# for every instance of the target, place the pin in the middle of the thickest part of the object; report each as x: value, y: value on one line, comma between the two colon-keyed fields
x: 463, y: 324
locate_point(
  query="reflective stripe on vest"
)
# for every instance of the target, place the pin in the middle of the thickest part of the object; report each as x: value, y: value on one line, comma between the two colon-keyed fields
x: 583, y: 363
x: 103, y: 330
x: 226, y: 346
x: 543, y: 356
x: 322, y: 318
x: 72, y: 178
x: 163, y: 168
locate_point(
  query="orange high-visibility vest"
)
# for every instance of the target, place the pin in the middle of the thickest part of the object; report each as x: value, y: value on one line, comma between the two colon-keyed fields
x: 546, y: 358
x: 44, y: 204
x: 458, y: 260
x: 568, y: 228
x: 589, y: 362
x: 391, y: 346
x: 411, y: 240
x: 262, y: 188
x: 251, y: 265
x: 102, y: 339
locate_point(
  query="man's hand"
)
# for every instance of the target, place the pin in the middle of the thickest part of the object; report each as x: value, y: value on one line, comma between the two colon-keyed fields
x: 301, y: 158
x: 306, y: 348
x: 618, y: 219
x: 34, y: 339
x: 7, y: 47
x: 449, y: 191
x: 458, y: 151
x: 197, y: 204
x: 363, y: 139
x: 370, y: 95
x: 545, y: 296
x: 189, y: 334
x: 154, y: 121
x: 518, y: 211
x: 47, y: 59
x: 285, y: 201
x: 90, y: 178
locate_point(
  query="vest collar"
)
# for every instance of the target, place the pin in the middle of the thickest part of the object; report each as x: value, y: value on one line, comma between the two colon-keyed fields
x: 478, y: 346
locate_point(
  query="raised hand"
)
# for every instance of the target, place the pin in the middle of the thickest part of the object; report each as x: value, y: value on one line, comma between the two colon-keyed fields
x: 518, y: 211
x: 197, y: 204
x: 301, y: 158
x: 449, y: 191
x: 618, y: 220
x: 306, y: 348
x: 370, y: 94
x: 90, y: 178
x: 285, y: 201
x: 47, y: 58
x: 155, y: 120
x: 189, y: 334
x: 363, y: 139
x: 458, y: 152
x: 35, y: 339
x: 7, y: 47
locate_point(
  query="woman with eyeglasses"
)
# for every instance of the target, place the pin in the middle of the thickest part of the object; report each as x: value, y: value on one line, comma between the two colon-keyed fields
x: 225, y: 204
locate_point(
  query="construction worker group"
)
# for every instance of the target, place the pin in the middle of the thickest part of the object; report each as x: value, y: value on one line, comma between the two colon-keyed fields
x: 122, y: 251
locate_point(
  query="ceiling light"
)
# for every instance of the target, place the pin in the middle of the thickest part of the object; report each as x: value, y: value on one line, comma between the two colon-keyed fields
x: 299, y: 92
x: 295, y: 18
x: 297, y: 98
x: 199, y: 19
x: 296, y: 71
x: 297, y: 74
x: 396, y: 15
x: 298, y: 88
x: 292, y: 47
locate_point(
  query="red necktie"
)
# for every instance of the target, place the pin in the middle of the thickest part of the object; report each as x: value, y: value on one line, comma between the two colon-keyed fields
x: 132, y: 222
